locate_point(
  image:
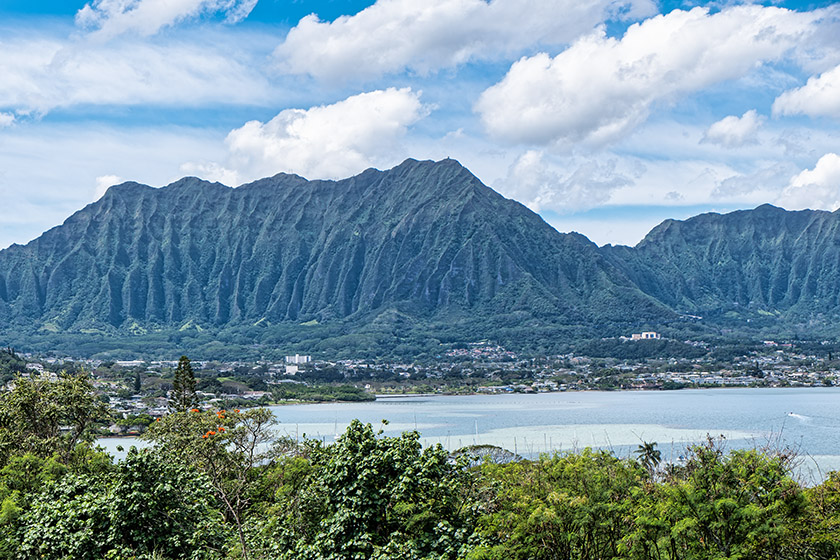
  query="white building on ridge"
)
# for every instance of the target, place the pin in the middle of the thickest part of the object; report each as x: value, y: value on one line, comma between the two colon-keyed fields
x: 650, y: 335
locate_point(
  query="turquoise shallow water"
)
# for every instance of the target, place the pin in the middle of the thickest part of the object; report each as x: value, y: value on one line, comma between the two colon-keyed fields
x: 807, y: 420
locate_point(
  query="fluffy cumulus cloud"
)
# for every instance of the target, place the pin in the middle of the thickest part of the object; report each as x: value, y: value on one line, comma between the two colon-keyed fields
x: 600, y: 88
x: 538, y: 184
x: 44, y: 73
x: 328, y: 141
x: 109, y: 18
x: 6, y: 120
x: 733, y: 131
x: 817, y: 188
x: 393, y: 35
x: 819, y: 97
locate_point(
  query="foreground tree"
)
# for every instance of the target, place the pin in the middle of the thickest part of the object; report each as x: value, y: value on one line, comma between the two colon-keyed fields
x: 374, y: 497
x: 21, y: 480
x: 183, y: 396
x: 148, y: 507
x: 46, y: 417
x: 569, y: 506
x: 228, y: 448
x: 742, y: 504
x: 820, y: 536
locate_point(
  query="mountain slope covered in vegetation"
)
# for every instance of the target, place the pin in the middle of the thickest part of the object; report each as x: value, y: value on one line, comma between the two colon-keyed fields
x: 405, y: 258
x: 764, y: 265
x: 423, y: 243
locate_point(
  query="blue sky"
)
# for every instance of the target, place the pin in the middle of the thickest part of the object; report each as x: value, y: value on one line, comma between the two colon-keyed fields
x: 606, y: 116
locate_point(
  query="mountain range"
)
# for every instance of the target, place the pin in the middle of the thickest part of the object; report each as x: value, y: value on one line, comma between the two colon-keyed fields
x: 404, y: 260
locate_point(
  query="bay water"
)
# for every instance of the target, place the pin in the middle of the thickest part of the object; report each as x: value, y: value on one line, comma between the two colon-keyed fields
x: 805, y: 420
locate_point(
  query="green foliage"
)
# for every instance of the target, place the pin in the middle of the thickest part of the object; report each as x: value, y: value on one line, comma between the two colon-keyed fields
x: 10, y: 364
x: 20, y: 479
x: 213, y: 487
x: 742, y: 505
x: 147, y: 506
x: 156, y: 505
x: 373, y: 497
x: 819, y: 536
x: 183, y: 395
x: 561, y: 506
x: 141, y: 420
x: 228, y: 447
x: 320, y: 393
x: 69, y: 519
x: 44, y: 417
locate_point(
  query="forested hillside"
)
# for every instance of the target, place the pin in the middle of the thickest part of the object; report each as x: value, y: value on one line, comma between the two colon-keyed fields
x: 766, y: 265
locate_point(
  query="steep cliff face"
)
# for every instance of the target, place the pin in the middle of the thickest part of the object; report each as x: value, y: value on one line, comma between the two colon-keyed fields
x: 424, y: 243
x: 426, y: 238
x: 767, y: 260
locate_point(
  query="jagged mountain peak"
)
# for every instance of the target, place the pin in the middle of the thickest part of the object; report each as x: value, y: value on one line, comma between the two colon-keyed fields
x: 425, y: 238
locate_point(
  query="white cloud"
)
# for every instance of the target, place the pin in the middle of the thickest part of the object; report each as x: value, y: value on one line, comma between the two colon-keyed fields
x: 820, y: 96
x: 600, y: 88
x: 393, y: 35
x: 103, y: 183
x: 110, y: 18
x: 817, y: 188
x: 733, y: 131
x: 542, y: 186
x: 49, y: 170
x: 758, y: 186
x: 212, y: 171
x: 44, y: 73
x: 328, y: 141
x: 6, y: 120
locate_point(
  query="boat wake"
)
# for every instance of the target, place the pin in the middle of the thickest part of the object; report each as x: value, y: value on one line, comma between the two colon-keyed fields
x: 802, y: 418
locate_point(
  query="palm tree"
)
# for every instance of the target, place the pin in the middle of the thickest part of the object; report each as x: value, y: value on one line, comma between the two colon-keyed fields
x: 649, y: 455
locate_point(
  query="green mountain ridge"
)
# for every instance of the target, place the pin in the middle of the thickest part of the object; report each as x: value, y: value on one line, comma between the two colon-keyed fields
x: 425, y: 241
x: 767, y: 262
x: 413, y: 256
